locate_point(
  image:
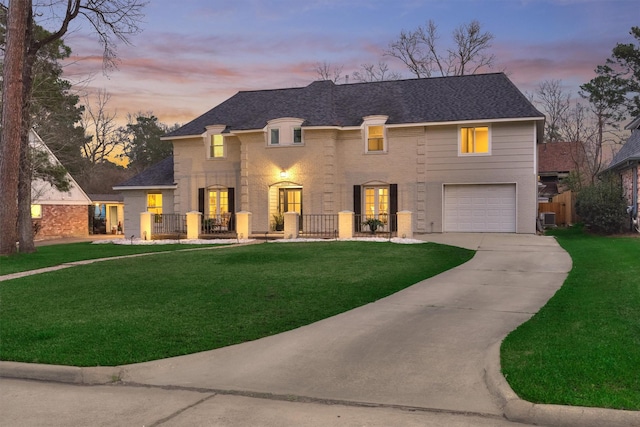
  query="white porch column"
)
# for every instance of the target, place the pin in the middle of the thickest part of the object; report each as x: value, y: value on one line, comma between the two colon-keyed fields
x: 243, y: 224
x: 291, y: 225
x: 345, y: 224
x: 146, y: 220
x: 194, y: 222
x: 405, y: 224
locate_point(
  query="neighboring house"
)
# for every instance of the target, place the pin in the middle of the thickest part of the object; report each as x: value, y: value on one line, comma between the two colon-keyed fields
x: 107, y: 215
x: 458, y: 152
x: 555, y: 161
x: 625, y: 163
x: 56, y: 213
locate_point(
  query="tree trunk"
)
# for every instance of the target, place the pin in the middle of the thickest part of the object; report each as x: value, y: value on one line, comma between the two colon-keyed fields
x: 25, y: 225
x: 12, y: 103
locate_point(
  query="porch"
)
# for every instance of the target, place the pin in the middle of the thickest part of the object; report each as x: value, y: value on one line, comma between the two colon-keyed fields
x: 344, y: 225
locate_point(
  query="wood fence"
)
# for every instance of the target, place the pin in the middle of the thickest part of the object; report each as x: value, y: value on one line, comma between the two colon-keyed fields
x: 563, y: 205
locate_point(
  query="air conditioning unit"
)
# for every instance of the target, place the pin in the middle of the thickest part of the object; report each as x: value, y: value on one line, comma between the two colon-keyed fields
x: 548, y: 219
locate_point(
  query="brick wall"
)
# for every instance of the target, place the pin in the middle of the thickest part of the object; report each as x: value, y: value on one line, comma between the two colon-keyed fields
x: 63, y: 221
x: 627, y: 185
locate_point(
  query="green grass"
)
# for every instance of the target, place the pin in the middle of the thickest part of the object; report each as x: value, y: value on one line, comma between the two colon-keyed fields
x: 583, y: 347
x: 48, y: 256
x: 168, y: 304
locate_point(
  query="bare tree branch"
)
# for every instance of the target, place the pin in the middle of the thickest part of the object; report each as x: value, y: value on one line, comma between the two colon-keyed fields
x: 555, y: 104
x: 97, y: 120
x: 375, y: 73
x: 418, y: 50
x: 326, y: 71
x: 471, y: 43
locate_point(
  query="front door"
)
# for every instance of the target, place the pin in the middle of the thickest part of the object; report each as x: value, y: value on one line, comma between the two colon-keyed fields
x: 290, y: 200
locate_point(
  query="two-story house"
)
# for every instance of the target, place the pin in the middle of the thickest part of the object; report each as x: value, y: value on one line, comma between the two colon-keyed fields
x: 457, y: 152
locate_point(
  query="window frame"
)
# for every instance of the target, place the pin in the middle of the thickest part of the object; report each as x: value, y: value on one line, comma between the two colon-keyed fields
x: 212, y: 146
x: 374, y: 122
x: 461, y: 153
x: 155, y: 208
x: 377, y: 138
x: 209, y: 136
x: 218, y: 205
x: 297, y: 130
x: 274, y: 131
x: 379, y: 201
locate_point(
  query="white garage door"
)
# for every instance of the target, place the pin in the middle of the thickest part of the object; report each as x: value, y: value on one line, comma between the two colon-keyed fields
x: 485, y: 208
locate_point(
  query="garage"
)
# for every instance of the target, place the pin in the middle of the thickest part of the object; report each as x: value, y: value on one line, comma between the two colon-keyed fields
x: 481, y: 208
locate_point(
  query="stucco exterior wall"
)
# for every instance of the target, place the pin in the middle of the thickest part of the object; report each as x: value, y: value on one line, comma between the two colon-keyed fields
x: 193, y: 170
x: 135, y: 202
x: 419, y: 159
x: 63, y: 221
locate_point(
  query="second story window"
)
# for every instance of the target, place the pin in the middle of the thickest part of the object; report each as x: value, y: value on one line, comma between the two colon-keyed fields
x: 216, y: 147
x: 274, y: 137
x: 375, y: 138
x: 474, y: 140
x: 214, y: 142
x: 374, y: 133
x: 297, y: 135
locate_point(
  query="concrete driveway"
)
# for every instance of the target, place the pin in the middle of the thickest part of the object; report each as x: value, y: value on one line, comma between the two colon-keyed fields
x: 424, y: 347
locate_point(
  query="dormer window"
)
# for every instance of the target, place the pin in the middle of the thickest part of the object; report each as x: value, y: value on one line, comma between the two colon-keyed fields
x: 275, y: 136
x: 215, y: 144
x: 284, y: 132
x: 375, y: 138
x: 375, y: 134
x: 217, y: 147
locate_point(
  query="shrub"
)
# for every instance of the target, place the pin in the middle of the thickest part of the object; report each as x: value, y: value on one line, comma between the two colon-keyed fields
x: 602, y: 206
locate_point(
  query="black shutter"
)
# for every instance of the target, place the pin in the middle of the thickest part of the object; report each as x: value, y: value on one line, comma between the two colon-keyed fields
x: 231, y: 199
x: 393, y: 206
x: 357, y: 206
x: 201, y: 201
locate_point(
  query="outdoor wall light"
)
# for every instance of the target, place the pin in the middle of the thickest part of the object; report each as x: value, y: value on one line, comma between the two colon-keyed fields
x: 283, y: 174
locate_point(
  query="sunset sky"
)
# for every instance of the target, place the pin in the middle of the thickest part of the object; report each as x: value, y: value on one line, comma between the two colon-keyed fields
x: 194, y: 54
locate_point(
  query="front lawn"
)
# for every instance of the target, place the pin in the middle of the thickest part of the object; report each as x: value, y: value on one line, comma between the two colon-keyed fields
x: 583, y: 347
x: 168, y: 304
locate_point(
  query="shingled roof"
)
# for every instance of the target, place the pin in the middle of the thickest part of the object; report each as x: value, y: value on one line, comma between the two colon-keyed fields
x: 559, y: 157
x: 158, y: 175
x: 323, y: 103
x: 630, y: 151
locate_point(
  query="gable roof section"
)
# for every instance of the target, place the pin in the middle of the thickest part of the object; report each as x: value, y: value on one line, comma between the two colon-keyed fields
x: 558, y: 156
x: 322, y: 103
x: 43, y: 193
x: 157, y: 176
x: 630, y: 151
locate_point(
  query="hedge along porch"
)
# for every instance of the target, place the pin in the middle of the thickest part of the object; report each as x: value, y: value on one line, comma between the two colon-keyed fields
x: 348, y: 225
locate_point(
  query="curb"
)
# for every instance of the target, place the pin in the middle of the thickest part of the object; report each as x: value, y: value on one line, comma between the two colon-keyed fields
x: 518, y: 410
x: 62, y: 374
